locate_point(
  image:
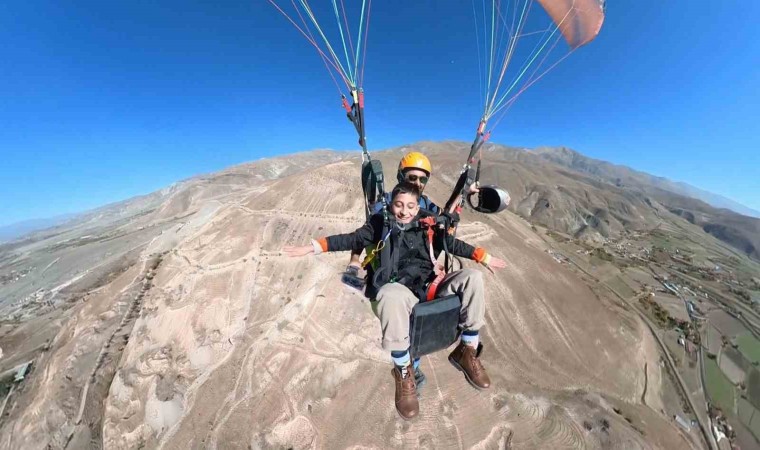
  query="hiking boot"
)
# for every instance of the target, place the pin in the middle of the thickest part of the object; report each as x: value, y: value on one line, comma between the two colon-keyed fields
x: 351, y: 278
x: 407, y: 404
x: 465, y: 358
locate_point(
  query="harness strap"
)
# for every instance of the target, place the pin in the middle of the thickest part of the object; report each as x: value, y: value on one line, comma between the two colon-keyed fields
x: 433, y: 288
x: 429, y: 223
x: 394, y: 254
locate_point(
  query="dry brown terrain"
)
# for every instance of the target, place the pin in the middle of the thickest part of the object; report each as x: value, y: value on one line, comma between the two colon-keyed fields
x: 740, y: 231
x: 183, y: 326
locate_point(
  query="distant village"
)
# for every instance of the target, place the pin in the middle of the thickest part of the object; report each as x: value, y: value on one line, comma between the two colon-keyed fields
x: 707, y: 308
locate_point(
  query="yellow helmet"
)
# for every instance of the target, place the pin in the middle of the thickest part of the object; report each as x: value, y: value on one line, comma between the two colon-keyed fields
x: 415, y: 160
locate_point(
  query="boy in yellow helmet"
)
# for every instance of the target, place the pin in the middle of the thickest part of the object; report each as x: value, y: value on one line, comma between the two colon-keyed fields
x: 414, y: 168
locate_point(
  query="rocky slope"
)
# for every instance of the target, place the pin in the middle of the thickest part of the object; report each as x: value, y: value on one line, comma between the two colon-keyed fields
x: 740, y: 231
x: 178, y: 323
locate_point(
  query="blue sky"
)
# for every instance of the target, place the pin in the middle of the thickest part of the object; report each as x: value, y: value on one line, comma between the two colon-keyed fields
x: 101, y: 101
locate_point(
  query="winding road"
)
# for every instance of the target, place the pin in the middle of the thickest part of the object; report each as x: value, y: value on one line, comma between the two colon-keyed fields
x: 704, y: 428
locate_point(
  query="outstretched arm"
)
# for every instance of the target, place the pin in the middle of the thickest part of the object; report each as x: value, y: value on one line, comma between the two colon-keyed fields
x: 339, y: 242
x: 479, y: 254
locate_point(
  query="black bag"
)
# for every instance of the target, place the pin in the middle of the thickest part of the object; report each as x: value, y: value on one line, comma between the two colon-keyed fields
x: 434, y: 325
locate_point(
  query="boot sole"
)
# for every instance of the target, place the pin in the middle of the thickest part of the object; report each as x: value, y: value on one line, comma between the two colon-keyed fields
x: 467, y: 377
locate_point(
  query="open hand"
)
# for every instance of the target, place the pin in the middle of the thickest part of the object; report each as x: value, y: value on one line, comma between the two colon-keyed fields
x: 295, y: 252
x: 497, y: 263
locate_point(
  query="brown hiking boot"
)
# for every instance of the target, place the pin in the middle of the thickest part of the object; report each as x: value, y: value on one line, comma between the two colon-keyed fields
x: 465, y: 358
x: 407, y: 404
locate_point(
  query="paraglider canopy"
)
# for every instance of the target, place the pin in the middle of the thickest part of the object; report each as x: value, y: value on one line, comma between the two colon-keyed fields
x: 579, y: 21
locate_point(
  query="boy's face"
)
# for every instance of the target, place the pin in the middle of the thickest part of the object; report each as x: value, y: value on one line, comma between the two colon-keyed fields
x: 405, y: 207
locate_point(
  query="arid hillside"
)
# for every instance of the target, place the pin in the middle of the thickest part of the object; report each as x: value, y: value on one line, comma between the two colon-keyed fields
x: 740, y: 231
x: 174, y: 321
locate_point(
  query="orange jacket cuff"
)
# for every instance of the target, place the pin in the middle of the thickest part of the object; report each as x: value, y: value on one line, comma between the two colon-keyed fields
x: 320, y: 245
x: 480, y: 255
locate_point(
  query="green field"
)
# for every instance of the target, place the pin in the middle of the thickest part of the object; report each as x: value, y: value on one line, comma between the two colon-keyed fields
x: 749, y: 346
x: 720, y: 389
x: 621, y: 287
x: 746, y: 411
x: 753, y: 387
x: 660, y: 239
x: 754, y: 427
x: 749, y: 417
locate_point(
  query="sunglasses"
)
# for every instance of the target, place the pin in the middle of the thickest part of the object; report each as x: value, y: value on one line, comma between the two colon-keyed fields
x: 414, y: 178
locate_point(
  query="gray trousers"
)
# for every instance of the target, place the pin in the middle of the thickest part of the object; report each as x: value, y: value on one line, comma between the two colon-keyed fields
x: 394, y: 304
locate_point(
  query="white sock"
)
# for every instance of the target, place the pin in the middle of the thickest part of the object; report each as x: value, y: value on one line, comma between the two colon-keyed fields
x: 471, y: 340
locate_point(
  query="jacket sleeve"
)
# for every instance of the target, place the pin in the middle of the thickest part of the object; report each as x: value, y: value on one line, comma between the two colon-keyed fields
x: 360, y: 238
x: 465, y: 250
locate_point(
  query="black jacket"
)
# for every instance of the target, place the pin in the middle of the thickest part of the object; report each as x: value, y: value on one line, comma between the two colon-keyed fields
x: 406, y: 258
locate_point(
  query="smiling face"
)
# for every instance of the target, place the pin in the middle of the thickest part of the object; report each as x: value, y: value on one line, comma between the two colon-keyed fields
x: 405, y: 207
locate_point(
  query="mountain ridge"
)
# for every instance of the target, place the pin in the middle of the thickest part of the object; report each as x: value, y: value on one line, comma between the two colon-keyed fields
x: 613, y: 173
x: 596, y: 199
x: 738, y: 230
x: 579, y: 161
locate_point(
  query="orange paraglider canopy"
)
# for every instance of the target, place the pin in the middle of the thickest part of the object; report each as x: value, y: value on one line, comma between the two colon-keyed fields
x: 579, y: 21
